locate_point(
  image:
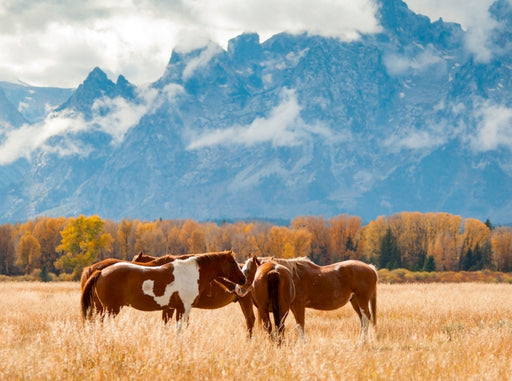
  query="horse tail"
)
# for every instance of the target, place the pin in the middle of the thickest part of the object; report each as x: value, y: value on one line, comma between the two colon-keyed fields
x: 273, y: 295
x: 86, y: 300
x: 373, y: 298
x: 86, y: 273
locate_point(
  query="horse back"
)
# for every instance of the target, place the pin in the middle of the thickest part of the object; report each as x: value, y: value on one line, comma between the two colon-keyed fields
x: 357, y: 273
x: 87, y: 271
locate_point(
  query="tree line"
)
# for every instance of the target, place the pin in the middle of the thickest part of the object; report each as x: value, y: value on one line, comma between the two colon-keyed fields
x: 59, y: 248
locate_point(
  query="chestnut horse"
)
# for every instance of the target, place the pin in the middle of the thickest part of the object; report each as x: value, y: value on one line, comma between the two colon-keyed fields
x: 272, y: 289
x: 218, y: 294
x: 172, y: 285
x: 331, y: 287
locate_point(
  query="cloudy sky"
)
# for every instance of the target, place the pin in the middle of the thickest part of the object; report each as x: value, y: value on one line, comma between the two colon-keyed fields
x: 58, y: 42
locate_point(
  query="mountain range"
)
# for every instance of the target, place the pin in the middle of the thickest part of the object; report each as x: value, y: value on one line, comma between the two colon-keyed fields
x: 404, y: 119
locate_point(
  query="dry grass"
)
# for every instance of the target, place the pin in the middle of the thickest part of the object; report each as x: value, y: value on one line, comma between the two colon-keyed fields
x: 424, y: 332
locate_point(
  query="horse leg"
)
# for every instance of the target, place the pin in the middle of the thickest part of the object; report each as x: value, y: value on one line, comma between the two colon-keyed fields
x: 246, y: 306
x: 264, y: 319
x: 299, y: 312
x: 167, y: 315
x: 364, y: 314
x: 182, y: 315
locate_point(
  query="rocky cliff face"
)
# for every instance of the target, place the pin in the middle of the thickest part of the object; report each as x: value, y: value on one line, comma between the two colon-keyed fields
x: 401, y: 120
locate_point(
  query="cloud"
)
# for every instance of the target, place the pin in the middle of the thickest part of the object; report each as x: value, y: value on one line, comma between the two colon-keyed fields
x: 57, y: 43
x: 58, y: 133
x: 429, y: 137
x: 397, y: 64
x: 474, y: 17
x: 202, y: 60
x: 341, y: 19
x: 494, y: 127
x: 50, y: 43
x: 122, y: 114
x: 282, y: 127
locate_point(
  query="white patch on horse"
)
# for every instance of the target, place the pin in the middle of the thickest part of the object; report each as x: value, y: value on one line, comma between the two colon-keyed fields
x: 186, y: 284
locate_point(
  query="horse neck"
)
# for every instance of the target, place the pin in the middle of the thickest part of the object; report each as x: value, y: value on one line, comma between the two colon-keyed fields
x: 210, y: 270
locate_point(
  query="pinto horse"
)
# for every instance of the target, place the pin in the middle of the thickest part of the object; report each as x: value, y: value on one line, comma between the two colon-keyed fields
x: 331, y: 287
x: 175, y: 284
x: 217, y: 295
x: 89, y: 270
x: 272, y: 289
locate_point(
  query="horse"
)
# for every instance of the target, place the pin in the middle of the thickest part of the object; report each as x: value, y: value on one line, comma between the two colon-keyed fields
x: 175, y: 284
x: 330, y: 287
x: 272, y: 289
x: 218, y: 294
x: 89, y: 270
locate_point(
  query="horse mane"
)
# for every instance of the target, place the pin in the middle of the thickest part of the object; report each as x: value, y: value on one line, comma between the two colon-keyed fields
x: 206, y: 258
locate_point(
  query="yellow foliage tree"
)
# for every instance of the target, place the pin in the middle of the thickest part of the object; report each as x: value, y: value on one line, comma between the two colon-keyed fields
x: 28, y: 253
x: 82, y: 240
x: 501, y: 241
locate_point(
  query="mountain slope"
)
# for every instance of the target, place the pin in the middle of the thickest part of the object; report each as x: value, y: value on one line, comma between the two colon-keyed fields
x: 298, y: 124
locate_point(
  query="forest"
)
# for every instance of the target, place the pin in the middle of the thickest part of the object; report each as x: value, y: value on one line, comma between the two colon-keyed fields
x: 59, y: 248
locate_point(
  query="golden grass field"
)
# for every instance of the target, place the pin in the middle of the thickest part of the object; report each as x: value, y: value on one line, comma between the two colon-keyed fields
x: 424, y: 332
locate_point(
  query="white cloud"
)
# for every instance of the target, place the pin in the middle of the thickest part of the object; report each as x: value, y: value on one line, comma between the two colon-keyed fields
x: 58, y: 132
x: 397, y: 64
x: 282, y: 127
x: 122, y: 114
x: 201, y: 60
x: 473, y: 15
x: 22, y: 142
x: 494, y: 127
x: 415, y: 140
x: 424, y: 139
x: 58, y: 43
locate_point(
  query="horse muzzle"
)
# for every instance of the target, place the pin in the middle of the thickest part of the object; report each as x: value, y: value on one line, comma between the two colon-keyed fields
x: 242, y: 291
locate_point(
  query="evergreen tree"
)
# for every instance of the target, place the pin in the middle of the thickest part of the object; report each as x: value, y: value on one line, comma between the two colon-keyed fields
x: 430, y: 264
x: 389, y: 252
x: 43, y: 275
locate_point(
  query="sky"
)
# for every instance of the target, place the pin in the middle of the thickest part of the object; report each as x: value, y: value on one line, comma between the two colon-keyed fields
x: 58, y: 42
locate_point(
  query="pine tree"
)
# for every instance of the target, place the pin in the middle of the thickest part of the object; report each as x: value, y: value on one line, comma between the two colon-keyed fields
x: 389, y: 252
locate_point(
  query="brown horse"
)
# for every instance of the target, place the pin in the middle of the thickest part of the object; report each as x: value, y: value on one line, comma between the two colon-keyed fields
x: 272, y: 289
x: 218, y: 294
x: 173, y: 285
x: 331, y: 287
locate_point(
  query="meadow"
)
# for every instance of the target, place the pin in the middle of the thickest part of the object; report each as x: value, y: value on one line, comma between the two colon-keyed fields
x: 436, y: 331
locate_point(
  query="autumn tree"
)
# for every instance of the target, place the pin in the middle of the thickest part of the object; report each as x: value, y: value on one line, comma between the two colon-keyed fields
x: 126, y: 238
x: 343, y: 230
x: 501, y: 240
x: 371, y: 236
x: 150, y: 239
x: 191, y: 237
x: 319, y: 230
x: 28, y: 253
x: 47, y: 232
x: 475, y: 237
x: 7, y: 252
x: 82, y: 241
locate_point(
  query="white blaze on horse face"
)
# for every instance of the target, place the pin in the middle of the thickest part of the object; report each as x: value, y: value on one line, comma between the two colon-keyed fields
x: 186, y: 284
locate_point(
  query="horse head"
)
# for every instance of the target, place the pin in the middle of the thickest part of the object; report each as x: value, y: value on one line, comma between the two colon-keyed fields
x: 230, y: 269
x: 249, y: 270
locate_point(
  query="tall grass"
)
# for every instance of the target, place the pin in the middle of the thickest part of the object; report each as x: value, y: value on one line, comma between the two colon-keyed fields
x: 424, y: 332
